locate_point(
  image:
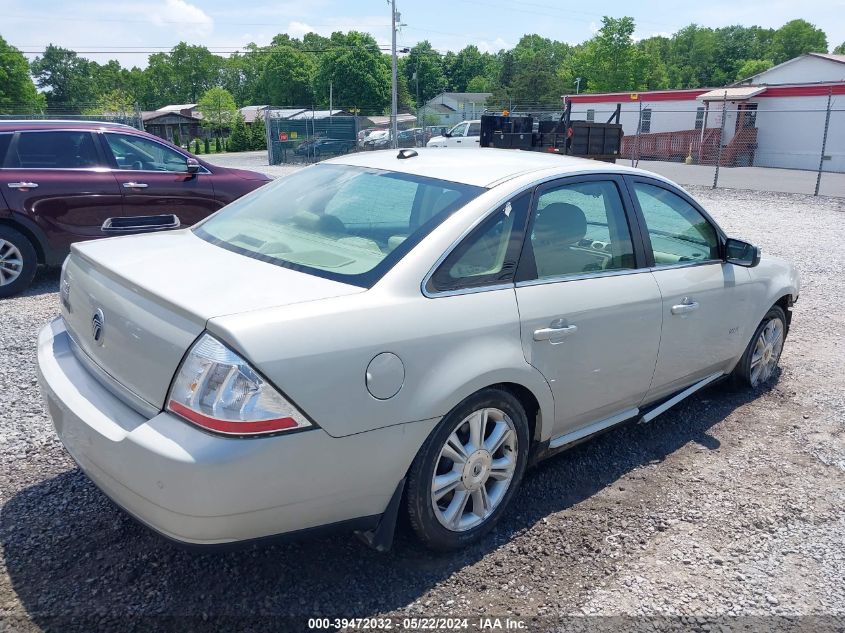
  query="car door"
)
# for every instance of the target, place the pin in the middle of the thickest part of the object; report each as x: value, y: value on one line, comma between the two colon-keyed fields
x: 589, y: 308
x: 61, y: 181
x: 705, y: 300
x: 456, y: 135
x: 155, y: 181
x: 473, y: 137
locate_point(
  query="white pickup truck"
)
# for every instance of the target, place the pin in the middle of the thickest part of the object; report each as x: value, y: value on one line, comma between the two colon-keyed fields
x: 464, y: 134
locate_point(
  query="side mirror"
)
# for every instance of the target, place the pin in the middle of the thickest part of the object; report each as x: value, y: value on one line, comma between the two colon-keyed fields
x: 741, y: 253
x: 193, y: 166
x: 447, y: 134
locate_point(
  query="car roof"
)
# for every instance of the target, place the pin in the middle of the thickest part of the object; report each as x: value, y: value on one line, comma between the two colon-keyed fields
x: 484, y: 167
x: 14, y: 125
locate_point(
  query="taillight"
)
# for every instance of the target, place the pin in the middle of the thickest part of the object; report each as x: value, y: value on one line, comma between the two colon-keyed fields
x: 217, y: 390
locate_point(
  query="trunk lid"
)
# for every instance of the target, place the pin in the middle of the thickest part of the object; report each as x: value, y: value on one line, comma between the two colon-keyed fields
x: 152, y: 295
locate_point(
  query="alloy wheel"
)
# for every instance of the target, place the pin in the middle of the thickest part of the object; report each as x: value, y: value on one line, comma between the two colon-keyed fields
x: 767, y: 349
x: 11, y: 262
x: 474, y: 470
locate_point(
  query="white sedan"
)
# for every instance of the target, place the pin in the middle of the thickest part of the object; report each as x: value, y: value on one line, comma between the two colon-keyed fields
x: 388, y: 333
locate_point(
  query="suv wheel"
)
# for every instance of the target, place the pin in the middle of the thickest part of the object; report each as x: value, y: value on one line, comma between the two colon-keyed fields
x: 18, y: 261
x: 468, y: 470
x: 760, y: 360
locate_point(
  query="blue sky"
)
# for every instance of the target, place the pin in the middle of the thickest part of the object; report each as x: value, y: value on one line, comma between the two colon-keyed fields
x: 117, y: 25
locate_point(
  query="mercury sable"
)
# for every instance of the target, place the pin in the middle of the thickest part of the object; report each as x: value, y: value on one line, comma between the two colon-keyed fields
x: 390, y: 333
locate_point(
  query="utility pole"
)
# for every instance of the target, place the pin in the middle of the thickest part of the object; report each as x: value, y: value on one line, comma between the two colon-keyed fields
x: 394, y: 131
x: 417, y: 80
x: 577, y: 85
x: 331, y: 98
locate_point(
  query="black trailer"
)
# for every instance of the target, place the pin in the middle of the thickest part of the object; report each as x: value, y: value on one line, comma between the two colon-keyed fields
x: 586, y: 139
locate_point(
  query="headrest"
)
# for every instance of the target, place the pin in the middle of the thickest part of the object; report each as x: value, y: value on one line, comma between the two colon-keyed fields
x: 561, y: 222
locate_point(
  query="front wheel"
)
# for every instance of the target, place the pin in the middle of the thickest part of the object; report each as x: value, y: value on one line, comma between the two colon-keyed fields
x: 468, y: 470
x: 760, y: 360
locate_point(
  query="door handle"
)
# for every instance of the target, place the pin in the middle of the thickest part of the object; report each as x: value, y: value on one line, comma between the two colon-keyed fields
x: 22, y: 185
x: 549, y: 333
x: 686, y: 306
x: 135, y: 185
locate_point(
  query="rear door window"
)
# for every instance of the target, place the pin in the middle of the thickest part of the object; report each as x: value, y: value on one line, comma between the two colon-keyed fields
x: 141, y: 154
x: 54, y: 150
x: 5, y: 141
x: 474, y: 129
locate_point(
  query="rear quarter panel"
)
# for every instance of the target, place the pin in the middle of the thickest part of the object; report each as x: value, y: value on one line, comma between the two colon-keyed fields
x: 318, y: 353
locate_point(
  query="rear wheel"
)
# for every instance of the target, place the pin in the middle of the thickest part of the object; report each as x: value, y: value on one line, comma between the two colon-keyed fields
x: 760, y: 360
x: 468, y: 470
x: 18, y: 261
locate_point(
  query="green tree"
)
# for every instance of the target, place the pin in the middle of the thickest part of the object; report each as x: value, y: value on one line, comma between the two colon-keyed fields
x: 795, y: 38
x: 535, y: 81
x: 116, y: 101
x: 182, y: 75
x: 839, y: 50
x: 426, y: 63
x: 218, y: 109
x: 359, y: 72
x: 242, y: 74
x: 239, y: 139
x: 66, y: 78
x: 610, y: 59
x: 751, y: 67
x: 468, y: 63
x: 692, y: 55
x: 257, y: 135
x: 286, y: 78
x: 17, y: 92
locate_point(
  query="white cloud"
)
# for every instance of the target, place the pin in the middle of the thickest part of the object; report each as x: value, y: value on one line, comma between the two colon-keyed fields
x: 297, y: 29
x: 185, y: 18
x: 492, y: 47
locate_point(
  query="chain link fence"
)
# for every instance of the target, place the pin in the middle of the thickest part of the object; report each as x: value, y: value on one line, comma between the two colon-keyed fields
x: 304, y: 135
x: 741, y: 145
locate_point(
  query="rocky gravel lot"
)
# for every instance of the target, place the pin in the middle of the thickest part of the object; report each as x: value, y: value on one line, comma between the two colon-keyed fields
x: 724, y: 513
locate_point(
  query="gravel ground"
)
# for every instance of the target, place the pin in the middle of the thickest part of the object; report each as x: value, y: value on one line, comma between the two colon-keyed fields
x: 725, y: 512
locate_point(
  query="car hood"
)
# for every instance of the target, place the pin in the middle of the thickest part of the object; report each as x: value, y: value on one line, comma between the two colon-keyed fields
x: 247, y: 174
x: 434, y: 140
x: 153, y: 295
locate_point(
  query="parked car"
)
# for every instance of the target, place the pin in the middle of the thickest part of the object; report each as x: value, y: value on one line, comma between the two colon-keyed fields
x: 395, y: 332
x: 364, y: 134
x: 60, y: 181
x: 380, y: 139
x: 466, y: 134
x: 318, y: 147
x: 435, y: 130
x: 413, y: 137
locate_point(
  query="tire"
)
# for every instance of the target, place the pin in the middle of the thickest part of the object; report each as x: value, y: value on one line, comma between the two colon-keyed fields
x: 760, y: 359
x: 18, y: 262
x: 483, y: 477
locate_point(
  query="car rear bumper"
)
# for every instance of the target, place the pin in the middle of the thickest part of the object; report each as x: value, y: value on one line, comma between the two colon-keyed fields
x: 198, y: 488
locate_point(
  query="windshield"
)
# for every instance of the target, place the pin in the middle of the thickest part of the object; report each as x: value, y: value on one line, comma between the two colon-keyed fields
x: 458, y: 130
x: 350, y: 224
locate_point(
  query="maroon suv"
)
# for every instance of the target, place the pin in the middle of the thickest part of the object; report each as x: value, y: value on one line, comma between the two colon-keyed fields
x: 62, y: 182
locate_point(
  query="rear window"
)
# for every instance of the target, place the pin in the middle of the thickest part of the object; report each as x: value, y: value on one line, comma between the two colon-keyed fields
x: 54, y: 150
x: 350, y: 224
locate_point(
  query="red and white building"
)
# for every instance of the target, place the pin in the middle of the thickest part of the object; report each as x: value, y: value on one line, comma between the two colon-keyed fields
x: 773, y: 119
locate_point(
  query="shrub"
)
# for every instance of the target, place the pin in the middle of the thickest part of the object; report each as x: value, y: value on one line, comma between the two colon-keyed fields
x: 207, y: 143
x: 257, y: 135
x: 240, y: 139
x: 177, y: 140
